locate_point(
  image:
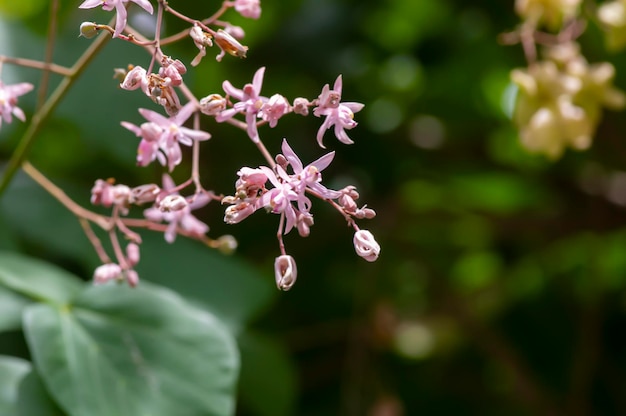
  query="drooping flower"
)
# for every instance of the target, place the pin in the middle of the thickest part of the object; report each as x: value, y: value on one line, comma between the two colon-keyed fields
x: 250, y: 102
x: 8, y: 101
x: 120, y: 9
x: 285, y: 271
x: 366, y: 246
x: 181, y: 218
x: 339, y: 114
x: 161, y: 136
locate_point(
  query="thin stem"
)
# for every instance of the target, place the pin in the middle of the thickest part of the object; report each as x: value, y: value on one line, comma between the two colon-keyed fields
x: 21, y: 152
x: 157, y: 37
x: 279, y: 234
x: 30, y: 63
x: 65, y: 200
x: 45, y: 76
x: 95, y: 241
x: 115, y: 243
x: 195, y: 161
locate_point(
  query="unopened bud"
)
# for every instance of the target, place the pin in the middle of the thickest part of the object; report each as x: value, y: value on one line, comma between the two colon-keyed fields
x: 106, y: 272
x: 88, y: 30
x: 132, y: 254
x: 367, y: 213
x: 173, y: 203
x: 285, y: 271
x: 144, y: 193
x: 229, y: 44
x: 227, y: 244
x: 366, y: 246
x: 132, y: 278
x: 301, y: 106
x: 212, y: 104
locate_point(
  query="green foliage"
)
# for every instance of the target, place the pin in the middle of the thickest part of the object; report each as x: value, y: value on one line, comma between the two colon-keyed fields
x: 116, y: 350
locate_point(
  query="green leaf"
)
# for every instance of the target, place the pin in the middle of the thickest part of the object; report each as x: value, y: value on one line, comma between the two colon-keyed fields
x: 11, y: 306
x: 123, y: 351
x: 33, y: 399
x: 12, y: 371
x: 226, y: 285
x: 36, y: 279
x: 261, y: 358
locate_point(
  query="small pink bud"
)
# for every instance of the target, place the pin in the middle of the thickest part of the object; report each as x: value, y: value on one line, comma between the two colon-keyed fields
x: 106, y: 272
x: 132, y: 278
x: 235, y: 31
x: 366, y: 246
x: 173, y: 203
x: 301, y: 106
x: 132, y: 254
x: 285, y: 271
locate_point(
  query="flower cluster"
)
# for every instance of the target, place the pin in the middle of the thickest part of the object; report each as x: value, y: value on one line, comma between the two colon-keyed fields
x: 285, y: 190
x: 560, y: 100
x: 283, y: 186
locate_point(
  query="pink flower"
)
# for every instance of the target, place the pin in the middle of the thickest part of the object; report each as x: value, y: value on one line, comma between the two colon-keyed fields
x: 250, y: 102
x: 8, y: 101
x: 276, y: 107
x: 120, y: 8
x: 285, y: 271
x: 182, y: 218
x: 366, y: 246
x: 248, y: 8
x: 339, y: 114
x: 161, y: 136
x: 288, y: 195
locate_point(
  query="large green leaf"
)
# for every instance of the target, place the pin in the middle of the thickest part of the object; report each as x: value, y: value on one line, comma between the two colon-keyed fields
x: 12, y: 371
x: 36, y: 279
x: 123, y: 351
x: 33, y: 399
x: 11, y: 306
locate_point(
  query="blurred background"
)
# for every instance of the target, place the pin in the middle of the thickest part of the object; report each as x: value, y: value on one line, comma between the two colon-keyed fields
x: 500, y: 286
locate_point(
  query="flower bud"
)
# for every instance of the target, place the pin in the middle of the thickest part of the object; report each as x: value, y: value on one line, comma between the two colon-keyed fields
x: 366, y: 246
x: 132, y: 278
x: 229, y: 45
x: 301, y: 106
x: 226, y: 244
x: 144, y: 193
x: 88, y: 30
x: 212, y: 104
x: 106, y: 272
x: 173, y: 203
x: 132, y: 254
x: 285, y: 271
